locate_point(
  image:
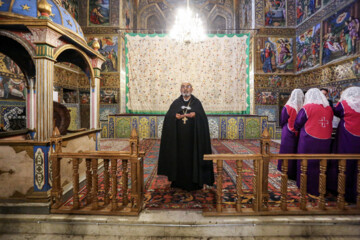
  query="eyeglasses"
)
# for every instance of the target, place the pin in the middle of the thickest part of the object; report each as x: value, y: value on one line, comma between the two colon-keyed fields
x: 186, y: 86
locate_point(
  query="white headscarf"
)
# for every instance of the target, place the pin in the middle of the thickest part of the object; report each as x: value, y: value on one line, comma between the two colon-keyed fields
x: 352, y: 96
x: 296, y: 99
x: 314, y: 95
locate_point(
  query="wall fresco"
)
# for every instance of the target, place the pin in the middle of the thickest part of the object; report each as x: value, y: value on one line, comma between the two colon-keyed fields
x: 308, y: 48
x: 275, y: 55
x: 341, y: 33
x: 306, y: 8
x: 99, y: 11
x: 275, y: 12
x: 109, y: 49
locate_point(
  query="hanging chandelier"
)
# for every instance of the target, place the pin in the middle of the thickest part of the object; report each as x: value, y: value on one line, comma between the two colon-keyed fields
x: 188, y: 27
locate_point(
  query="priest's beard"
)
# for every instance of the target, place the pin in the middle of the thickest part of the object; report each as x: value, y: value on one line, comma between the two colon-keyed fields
x: 186, y: 94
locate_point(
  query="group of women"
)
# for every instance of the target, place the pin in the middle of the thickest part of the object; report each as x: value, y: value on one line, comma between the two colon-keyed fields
x: 306, y: 123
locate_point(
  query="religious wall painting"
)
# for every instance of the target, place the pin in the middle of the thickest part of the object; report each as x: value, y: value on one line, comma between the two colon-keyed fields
x: 84, y: 97
x: 306, y: 8
x: 308, y: 48
x: 109, y: 49
x: 265, y: 98
x: 341, y: 33
x: 12, y: 88
x: 276, y: 81
x: 12, y: 81
x: 245, y: 14
x: 356, y: 67
x: 108, y: 96
x: 72, y: 6
x: 275, y: 55
x: 99, y: 12
x: 275, y: 12
x: 270, y: 111
x: 70, y: 96
x: 283, y: 98
x: 106, y: 110
x: 127, y: 13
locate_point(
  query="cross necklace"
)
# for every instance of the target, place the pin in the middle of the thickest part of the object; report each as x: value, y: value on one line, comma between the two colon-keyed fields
x: 184, y: 112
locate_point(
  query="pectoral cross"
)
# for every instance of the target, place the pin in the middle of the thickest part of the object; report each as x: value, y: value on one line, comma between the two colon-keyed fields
x: 184, y: 120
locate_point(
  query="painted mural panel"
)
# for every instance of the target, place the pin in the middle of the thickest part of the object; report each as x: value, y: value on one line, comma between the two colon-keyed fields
x: 70, y: 96
x: 275, y: 55
x: 275, y: 12
x: 72, y: 6
x: 265, y: 98
x: 127, y: 14
x: 99, y: 12
x: 12, y: 82
x: 108, y: 96
x: 308, y: 48
x: 341, y: 33
x: 306, y: 8
x: 109, y: 49
x: 84, y: 97
x: 270, y: 111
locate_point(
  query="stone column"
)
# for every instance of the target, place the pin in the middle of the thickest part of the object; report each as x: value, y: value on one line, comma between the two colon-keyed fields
x: 95, y: 94
x: 30, y: 105
x: 45, y: 40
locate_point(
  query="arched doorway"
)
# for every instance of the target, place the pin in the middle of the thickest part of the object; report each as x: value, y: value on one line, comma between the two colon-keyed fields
x: 17, y: 71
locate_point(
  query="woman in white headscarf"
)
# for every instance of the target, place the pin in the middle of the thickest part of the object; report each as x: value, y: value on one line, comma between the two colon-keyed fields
x: 289, y: 136
x: 348, y: 136
x: 314, y: 122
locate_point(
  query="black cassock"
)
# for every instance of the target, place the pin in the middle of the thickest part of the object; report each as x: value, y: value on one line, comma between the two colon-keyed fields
x: 183, y: 146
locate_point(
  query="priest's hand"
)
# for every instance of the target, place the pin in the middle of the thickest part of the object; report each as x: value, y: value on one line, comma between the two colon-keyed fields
x: 178, y: 116
x: 190, y: 115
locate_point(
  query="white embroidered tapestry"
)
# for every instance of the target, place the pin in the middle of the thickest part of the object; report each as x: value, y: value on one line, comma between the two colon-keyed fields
x: 218, y: 69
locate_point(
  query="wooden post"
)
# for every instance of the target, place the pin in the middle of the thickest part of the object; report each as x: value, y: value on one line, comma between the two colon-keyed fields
x: 341, y: 184
x: 95, y: 184
x: 88, y: 181
x: 56, y: 191
x: 125, y: 179
x: 256, y: 181
x: 106, y: 181
x: 219, y: 181
x: 134, y: 183
x: 239, y: 191
x: 284, y: 183
x: 113, y: 184
x: 134, y: 153
x: 322, y: 184
x: 303, y: 184
x: 76, y: 183
x: 264, y: 171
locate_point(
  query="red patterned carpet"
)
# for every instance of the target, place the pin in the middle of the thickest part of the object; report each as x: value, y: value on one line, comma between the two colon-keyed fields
x: 159, y: 195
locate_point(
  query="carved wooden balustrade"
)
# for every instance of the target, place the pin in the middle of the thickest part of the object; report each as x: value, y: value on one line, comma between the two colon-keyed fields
x: 260, y: 183
x: 130, y: 204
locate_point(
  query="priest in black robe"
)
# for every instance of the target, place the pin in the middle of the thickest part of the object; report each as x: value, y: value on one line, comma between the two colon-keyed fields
x: 184, y: 141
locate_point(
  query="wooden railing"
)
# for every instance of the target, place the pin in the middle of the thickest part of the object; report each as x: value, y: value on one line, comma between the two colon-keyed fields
x: 260, y: 183
x: 130, y: 204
